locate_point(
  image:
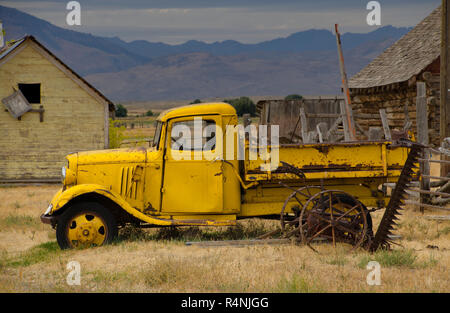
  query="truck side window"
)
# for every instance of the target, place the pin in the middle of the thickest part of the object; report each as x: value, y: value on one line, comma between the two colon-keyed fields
x: 157, y: 136
x: 189, y: 136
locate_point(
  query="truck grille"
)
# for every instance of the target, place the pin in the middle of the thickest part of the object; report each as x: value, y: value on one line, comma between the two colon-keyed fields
x: 128, y: 188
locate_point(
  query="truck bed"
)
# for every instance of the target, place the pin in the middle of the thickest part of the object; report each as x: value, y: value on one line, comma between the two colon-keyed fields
x: 362, y: 159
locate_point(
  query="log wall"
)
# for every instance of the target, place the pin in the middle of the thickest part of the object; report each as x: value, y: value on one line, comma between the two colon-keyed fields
x: 399, y: 101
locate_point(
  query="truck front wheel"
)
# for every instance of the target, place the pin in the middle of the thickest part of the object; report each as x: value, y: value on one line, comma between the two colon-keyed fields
x: 85, y: 224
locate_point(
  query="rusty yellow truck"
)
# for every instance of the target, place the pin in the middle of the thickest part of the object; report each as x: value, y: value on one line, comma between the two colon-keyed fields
x: 315, y: 190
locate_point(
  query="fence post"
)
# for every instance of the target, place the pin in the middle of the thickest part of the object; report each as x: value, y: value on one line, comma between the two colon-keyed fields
x: 422, y: 137
x: 385, y: 123
x: 345, y: 124
x: 304, y: 126
x: 246, y: 119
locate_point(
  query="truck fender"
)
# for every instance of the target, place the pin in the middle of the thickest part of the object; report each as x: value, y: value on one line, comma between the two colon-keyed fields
x: 62, y: 197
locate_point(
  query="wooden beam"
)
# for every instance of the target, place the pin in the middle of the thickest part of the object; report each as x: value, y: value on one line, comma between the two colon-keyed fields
x: 330, y: 133
x: 347, y: 136
x: 351, y: 132
x: 445, y: 79
x: 422, y: 114
x: 304, y: 126
x: 322, y: 130
x: 384, y: 121
x: 248, y: 242
x: 438, y: 217
x: 423, y: 138
x: 428, y: 206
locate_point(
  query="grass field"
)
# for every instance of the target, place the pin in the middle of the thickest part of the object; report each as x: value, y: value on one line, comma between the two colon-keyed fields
x: 159, y: 261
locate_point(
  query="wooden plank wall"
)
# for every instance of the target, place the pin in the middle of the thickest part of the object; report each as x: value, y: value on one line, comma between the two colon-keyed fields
x: 286, y: 113
x: 73, y: 120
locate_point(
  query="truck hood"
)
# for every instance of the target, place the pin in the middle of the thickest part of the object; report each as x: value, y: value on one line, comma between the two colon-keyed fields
x: 126, y: 155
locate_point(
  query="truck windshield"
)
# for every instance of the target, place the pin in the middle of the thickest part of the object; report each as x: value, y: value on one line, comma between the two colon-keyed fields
x: 157, y: 136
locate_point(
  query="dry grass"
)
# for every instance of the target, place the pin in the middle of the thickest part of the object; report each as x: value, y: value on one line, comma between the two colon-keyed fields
x: 158, y: 260
x: 139, y: 131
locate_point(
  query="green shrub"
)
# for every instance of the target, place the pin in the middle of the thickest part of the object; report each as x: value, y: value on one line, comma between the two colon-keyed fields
x: 21, y: 220
x: 115, y: 134
x: 394, y: 258
x: 296, y: 284
x: 121, y: 111
x: 37, y: 254
x: 293, y: 97
x: 243, y: 105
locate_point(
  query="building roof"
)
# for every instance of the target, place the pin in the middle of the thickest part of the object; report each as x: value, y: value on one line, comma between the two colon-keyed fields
x: 16, y: 44
x: 407, y: 57
x: 197, y: 109
x: 4, y: 52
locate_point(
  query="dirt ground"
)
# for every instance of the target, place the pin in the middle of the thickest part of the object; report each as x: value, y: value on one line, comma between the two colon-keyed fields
x: 159, y: 261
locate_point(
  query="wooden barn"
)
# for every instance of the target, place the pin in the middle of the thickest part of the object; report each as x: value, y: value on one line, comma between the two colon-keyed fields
x: 47, y: 112
x: 390, y: 81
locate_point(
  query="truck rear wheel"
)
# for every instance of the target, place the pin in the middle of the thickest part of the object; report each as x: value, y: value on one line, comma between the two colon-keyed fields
x: 85, y: 224
x: 335, y: 216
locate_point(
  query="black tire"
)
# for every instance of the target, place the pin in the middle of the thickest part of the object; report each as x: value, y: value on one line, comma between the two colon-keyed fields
x: 87, y: 210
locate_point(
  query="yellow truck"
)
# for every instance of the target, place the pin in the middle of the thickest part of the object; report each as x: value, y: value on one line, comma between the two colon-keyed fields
x: 314, y: 189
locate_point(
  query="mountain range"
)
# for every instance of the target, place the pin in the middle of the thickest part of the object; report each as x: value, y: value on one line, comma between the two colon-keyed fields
x: 305, y: 62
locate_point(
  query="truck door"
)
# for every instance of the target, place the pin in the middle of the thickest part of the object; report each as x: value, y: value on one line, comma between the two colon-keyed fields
x: 192, y: 181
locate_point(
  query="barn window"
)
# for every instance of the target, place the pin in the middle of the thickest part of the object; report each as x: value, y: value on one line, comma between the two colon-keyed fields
x: 32, y: 92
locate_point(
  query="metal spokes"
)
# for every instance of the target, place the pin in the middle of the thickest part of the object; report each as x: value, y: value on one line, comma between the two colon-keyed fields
x: 327, y: 217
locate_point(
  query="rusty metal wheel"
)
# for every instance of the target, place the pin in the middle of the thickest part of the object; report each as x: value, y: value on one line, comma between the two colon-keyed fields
x: 290, y: 221
x: 333, y: 216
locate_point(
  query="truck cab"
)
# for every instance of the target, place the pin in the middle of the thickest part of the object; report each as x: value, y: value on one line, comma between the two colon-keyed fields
x: 179, y: 180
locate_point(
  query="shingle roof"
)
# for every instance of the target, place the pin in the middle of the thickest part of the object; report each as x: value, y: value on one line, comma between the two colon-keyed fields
x: 406, y: 58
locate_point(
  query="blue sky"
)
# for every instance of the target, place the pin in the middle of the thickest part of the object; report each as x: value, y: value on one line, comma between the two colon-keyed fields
x: 249, y: 21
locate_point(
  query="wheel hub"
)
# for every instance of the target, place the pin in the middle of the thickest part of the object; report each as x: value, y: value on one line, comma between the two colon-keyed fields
x: 86, y: 229
x: 86, y: 233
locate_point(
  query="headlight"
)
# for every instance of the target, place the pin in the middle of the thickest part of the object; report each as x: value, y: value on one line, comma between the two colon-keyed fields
x: 68, y: 176
x: 63, y: 172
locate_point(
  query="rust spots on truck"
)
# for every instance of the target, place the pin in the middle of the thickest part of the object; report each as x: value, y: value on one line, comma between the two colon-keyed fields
x: 136, y: 149
x: 322, y: 148
x: 200, y: 222
x: 338, y: 167
x: 149, y: 208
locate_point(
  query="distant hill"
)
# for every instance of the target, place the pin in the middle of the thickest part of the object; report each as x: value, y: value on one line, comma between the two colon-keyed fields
x: 85, y: 53
x: 304, y: 62
x: 309, y: 40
